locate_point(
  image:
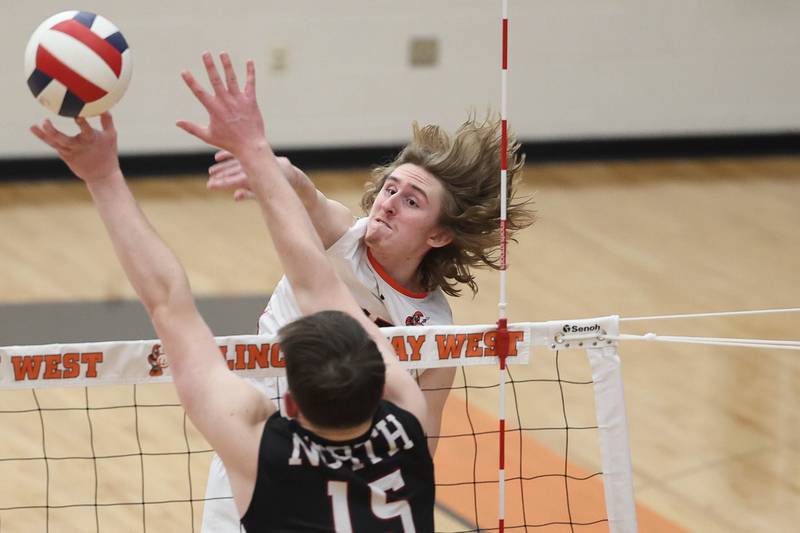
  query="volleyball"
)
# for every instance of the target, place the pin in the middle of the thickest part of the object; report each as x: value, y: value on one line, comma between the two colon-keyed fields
x: 77, y: 64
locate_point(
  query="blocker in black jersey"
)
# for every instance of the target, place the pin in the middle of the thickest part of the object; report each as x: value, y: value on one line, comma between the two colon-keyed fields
x: 380, y: 482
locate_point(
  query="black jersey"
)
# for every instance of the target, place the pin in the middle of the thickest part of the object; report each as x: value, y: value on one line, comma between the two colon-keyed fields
x: 380, y: 482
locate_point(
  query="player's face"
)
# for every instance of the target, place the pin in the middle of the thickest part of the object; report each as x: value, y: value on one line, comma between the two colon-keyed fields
x: 405, y: 214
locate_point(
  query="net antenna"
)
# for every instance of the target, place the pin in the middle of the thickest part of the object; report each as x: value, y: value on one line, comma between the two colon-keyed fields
x: 502, y: 320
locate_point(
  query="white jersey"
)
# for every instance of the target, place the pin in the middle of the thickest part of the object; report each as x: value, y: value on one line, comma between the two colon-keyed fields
x: 381, y: 298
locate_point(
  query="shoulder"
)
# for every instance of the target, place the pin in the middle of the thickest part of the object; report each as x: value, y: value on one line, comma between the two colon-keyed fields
x: 432, y: 310
x: 277, y: 422
x: 407, y: 419
x: 441, y: 306
x: 351, y: 236
x: 277, y: 442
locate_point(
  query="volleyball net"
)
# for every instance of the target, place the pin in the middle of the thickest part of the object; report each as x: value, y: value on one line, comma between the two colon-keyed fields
x: 95, y: 438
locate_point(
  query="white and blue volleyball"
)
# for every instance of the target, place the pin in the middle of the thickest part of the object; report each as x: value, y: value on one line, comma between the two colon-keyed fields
x: 78, y: 64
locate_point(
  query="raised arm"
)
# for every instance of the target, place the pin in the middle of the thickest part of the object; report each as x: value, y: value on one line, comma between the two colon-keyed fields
x: 330, y: 218
x: 228, y: 412
x: 235, y: 125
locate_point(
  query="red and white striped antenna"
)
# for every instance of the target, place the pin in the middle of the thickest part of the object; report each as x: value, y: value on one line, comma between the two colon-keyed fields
x: 502, y: 321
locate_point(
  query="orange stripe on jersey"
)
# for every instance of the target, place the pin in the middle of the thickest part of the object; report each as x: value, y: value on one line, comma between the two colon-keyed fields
x: 388, y: 279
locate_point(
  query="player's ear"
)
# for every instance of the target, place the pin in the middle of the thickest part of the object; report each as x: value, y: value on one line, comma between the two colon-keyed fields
x: 291, y: 407
x: 439, y: 238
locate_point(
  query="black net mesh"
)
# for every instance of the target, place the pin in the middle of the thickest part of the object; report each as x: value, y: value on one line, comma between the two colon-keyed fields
x: 127, y: 459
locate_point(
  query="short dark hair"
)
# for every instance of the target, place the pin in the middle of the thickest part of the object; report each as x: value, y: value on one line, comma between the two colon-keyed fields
x: 335, y: 370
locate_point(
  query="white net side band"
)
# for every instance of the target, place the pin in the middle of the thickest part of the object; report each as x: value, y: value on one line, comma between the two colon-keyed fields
x: 613, y: 429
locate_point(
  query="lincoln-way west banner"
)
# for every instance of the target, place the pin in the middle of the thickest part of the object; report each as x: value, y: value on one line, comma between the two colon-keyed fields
x: 128, y: 362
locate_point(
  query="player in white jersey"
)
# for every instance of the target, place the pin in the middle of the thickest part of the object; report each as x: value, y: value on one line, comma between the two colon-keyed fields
x: 382, y: 298
x: 433, y: 214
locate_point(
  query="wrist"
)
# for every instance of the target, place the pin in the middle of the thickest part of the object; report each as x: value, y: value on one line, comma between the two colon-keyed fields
x: 257, y: 157
x: 254, y: 149
x: 108, y: 180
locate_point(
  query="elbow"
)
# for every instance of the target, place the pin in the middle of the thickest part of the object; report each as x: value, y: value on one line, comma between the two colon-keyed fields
x: 154, y: 305
x: 168, y: 305
x: 162, y: 317
x: 169, y: 290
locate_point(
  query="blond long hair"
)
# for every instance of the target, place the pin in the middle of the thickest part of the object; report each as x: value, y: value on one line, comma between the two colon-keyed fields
x: 468, y: 166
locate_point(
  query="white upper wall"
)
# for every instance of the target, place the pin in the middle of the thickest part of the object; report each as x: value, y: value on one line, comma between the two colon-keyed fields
x: 578, y: 68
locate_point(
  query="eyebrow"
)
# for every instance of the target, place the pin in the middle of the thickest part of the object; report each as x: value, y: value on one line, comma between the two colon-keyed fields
x: 415, y: 187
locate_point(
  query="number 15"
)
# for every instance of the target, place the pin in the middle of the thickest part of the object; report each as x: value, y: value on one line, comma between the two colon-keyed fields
x: 337, y: 490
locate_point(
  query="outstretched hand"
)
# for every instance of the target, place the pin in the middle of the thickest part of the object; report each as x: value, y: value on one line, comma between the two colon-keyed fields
x: 234, y: 120
x: 91, y: 154
x: 227, y: 173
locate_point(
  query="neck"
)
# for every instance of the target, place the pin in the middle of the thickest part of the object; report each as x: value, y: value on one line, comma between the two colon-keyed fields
x: 335, y: 433
x: 404, y: 270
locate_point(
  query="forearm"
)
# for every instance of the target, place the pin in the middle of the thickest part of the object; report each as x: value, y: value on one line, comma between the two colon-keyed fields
x: 295, y: 240
x: 225, y: 409
x: 329, y: 218
x: 304, y: 187
x: 152, y: 268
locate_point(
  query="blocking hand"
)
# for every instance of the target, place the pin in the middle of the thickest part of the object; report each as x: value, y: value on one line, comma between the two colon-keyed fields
x: 227, y: 173
x: 91, y: 154
x: 234, y: 120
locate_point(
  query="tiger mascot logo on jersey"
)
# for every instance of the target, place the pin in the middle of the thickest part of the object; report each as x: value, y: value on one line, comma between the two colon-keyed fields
x: 417, y: 319
x: 158, y: 361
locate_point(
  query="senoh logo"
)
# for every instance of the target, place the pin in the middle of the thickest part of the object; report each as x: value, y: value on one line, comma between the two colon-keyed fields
x: 573, y: 328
